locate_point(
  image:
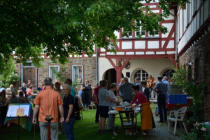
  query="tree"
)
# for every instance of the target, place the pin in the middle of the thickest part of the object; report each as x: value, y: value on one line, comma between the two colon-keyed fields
x: 60, y: 27
x: 8, y: 75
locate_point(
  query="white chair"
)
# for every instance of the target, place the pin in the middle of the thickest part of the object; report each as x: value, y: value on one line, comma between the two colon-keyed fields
x: 177, y: 116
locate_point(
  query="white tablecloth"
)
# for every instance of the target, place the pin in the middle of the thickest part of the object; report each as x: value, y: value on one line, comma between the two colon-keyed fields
x: 114, y: 112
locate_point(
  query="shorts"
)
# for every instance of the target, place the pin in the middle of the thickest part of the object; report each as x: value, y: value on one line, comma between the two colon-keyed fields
x: 103, y: 111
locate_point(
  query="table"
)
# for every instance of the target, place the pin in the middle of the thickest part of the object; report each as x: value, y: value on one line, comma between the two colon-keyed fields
x: 115, y: 112
x: 177, y: 106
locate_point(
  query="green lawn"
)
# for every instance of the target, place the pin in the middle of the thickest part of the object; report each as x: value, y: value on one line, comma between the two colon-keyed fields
x: 85, y: 129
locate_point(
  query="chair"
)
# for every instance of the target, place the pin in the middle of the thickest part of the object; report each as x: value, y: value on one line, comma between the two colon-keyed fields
x: 177, y: 116
x: 128, y: 121
x: 92, y: 106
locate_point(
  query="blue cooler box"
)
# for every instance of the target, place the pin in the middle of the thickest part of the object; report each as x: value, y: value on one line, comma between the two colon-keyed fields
x: 177, y: 99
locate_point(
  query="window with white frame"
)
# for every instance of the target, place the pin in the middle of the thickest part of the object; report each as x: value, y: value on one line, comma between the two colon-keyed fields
x: 141, y: 74
x: 140, y: 32
x: 155, y: 35
x: 52, y: 72
x: 126, y: 34
x: 77, y: 74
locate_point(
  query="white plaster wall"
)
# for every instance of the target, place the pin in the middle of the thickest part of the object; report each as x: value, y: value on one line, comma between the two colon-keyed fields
x: 168, y: 26
x: 171, y: 16
x: 153, y: 44
x: 139, y: 44
x: 103, y: 65
x: 155, y: 11
x: 117, y: 34
x: 163, y: 42
x: 170, y: 44
x: 103, y: 50
x: 153, y: 67
x: 197, y: 22
x: 127, y: 45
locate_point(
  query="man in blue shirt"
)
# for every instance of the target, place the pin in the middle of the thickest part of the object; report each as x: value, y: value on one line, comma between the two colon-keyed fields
x: 165, y: 81
x: 138, y: 83
x: 126, y: 91
x: 161, y: 89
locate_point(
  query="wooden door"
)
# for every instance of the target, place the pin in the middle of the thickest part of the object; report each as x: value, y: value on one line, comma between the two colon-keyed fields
x: 29, y: 74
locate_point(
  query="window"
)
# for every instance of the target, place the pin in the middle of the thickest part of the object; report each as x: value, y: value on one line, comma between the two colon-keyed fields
x: 140, y: 33
x: 28, y: 64
x: 52, y: 72
x: 143, y: 75
x: 126, y: 34
x: 188, y: 12
x: 194, y: 6
x: 155, y: 35
x: 77, y: 73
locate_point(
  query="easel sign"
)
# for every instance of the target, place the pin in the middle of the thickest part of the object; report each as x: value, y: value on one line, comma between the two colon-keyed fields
x: 18, y: 110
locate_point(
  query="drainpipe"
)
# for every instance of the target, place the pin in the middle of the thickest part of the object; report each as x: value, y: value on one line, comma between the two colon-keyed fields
x: 176, y: 38
x: 97, y: 71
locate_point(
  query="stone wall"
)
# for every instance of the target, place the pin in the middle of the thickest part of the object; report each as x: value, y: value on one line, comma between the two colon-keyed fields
x: 89, y: 69
x: 199, y: 56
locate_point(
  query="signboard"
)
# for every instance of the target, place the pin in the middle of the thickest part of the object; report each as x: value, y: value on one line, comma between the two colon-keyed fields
x: 18, y: 110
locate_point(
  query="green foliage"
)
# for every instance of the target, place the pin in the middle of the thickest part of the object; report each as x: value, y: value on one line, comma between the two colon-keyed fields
x: 8, y: 75
x: 59, y: 27
x: 61, y: 74
x: 85, y: 129
x: 196, y: 91
x: 179, y: 77
x: 193, y: 89
x: 199, y: 132
x: 75, y: 84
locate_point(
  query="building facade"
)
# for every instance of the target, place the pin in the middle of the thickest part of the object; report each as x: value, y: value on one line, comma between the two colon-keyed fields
x: 140, y: 57
x: 193, y: 49
x: 78, y: 69
x: 136, y: 57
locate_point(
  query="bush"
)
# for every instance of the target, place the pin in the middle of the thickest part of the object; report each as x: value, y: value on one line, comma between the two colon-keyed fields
x: 199, y: 132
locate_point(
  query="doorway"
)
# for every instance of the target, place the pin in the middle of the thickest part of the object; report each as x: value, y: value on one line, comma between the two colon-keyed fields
x: 110, y: 76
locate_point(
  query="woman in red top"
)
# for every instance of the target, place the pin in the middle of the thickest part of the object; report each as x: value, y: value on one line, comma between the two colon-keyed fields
x: 146, y: 113
x: 139, y: 97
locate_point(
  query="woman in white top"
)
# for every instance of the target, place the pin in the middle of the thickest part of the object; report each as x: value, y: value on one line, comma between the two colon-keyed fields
x: 113, y: 102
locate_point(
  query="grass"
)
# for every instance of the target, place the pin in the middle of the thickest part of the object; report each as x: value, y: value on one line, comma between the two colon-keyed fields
x: 85, y: 129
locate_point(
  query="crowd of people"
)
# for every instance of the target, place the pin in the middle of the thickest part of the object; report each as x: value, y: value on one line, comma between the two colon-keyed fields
x: 61, y: 103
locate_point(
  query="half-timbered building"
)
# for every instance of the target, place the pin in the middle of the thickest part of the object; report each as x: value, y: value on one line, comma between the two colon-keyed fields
x: 136, y: 57
x: 140, y: 57
x: 193, y: 44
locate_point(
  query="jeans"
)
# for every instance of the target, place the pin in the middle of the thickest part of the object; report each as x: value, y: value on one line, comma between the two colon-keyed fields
x: 44, y: 130
x: 162, y: 107
x: 69, y: 129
